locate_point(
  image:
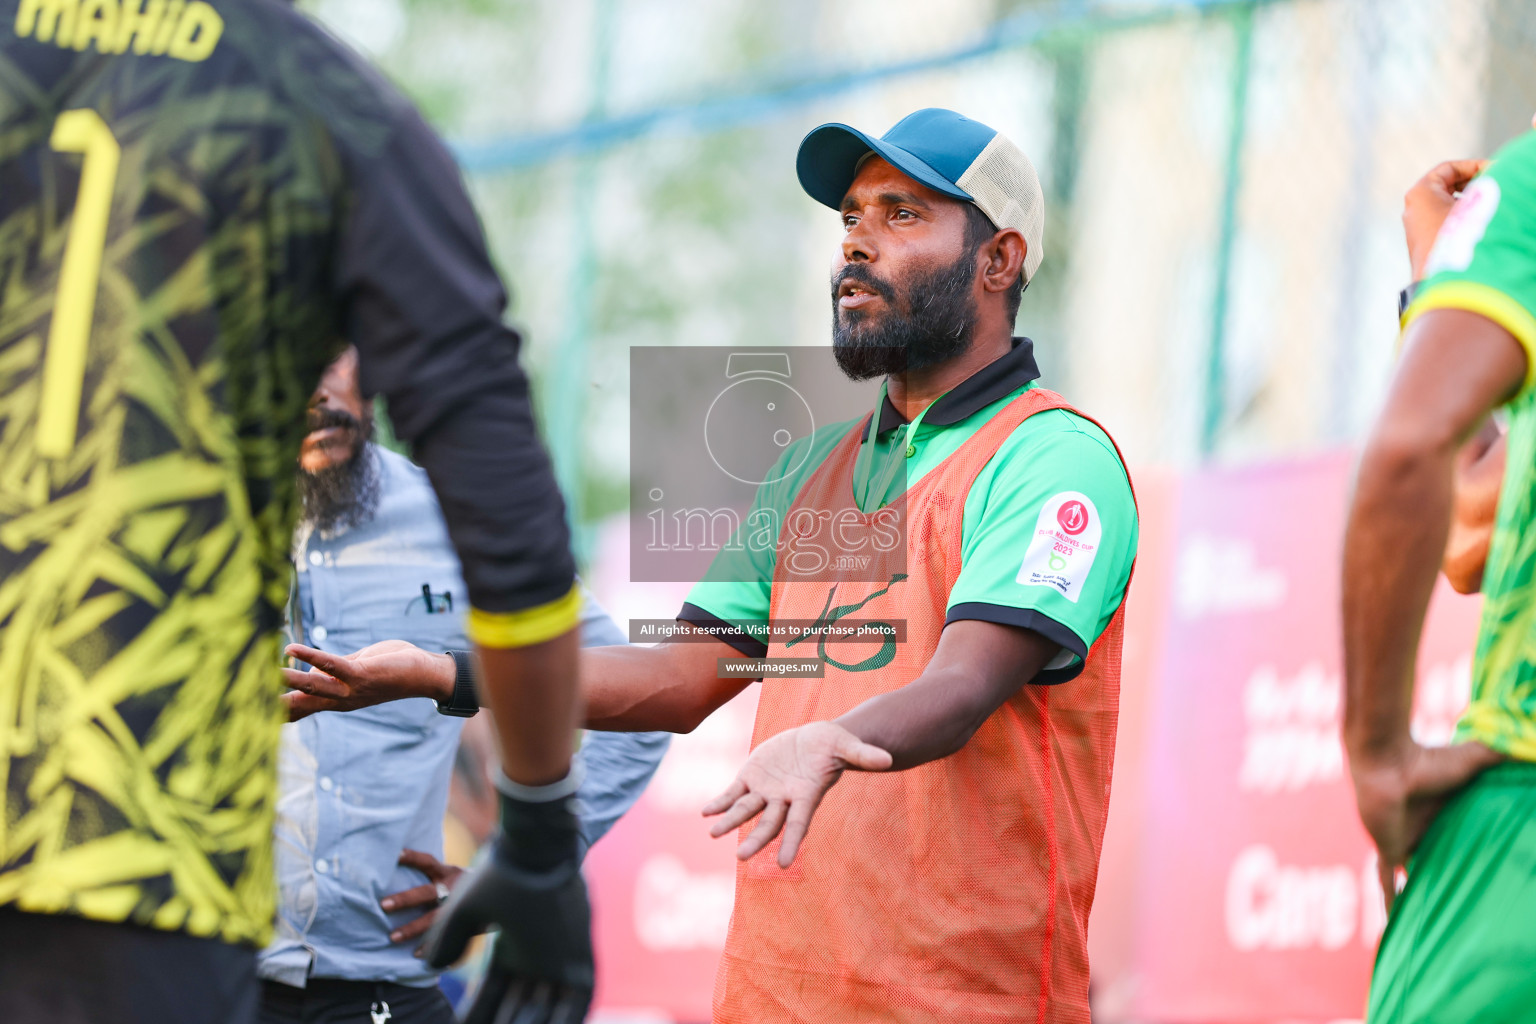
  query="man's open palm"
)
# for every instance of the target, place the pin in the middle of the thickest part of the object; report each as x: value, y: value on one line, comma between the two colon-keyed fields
x: 381, y: 672
x: 784, y: 781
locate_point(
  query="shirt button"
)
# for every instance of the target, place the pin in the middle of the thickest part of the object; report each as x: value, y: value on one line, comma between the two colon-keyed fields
x: 319, y: 632
x: 315, y: 558
x: 326, y: 783
x: 321, y: 866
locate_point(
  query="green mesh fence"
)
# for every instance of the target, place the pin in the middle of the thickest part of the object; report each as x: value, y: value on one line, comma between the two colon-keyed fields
x: 1224, y: 181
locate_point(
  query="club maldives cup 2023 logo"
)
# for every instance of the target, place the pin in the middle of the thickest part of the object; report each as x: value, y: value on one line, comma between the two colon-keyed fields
x: 1073, y: 517
x: 1065, y: 542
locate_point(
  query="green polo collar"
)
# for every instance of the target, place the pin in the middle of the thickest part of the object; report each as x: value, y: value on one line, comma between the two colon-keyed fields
x: 998, y: 379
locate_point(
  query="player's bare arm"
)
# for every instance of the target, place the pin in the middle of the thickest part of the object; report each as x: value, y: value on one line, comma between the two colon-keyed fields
x: 1479, y: 478
x: 671, y: 687
x: 977, y: 666
x: 1480, y: 465
x: 526, y: 689
x: 1456, y: 367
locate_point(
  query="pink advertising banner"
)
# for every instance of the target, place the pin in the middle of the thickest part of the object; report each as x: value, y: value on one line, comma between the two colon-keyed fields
x: 1257, y: 897
x: 661, y: 887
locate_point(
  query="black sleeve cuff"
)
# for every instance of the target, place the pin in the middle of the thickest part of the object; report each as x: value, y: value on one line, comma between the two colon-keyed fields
x: 696, y: 616
x: 1028, y: 618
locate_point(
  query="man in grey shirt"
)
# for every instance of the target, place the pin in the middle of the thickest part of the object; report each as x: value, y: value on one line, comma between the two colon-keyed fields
x: 359, y: 790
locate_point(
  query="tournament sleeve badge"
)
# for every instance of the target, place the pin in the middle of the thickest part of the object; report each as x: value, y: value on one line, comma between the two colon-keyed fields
x: 1464, y: 227
x: 1064, y: 545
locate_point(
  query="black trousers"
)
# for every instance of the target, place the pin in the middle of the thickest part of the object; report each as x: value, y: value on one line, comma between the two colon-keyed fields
x: 56, y: 969
x: 333, y: 1001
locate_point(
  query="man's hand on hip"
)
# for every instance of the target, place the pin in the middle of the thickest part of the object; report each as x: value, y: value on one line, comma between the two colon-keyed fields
x: 1400, y: 799
x: 784, y: 781
x: 380, y: 672
x: 441, y: 878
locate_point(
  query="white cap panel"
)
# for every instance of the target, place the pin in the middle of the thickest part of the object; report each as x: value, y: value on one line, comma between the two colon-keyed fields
x: 1006, y: 188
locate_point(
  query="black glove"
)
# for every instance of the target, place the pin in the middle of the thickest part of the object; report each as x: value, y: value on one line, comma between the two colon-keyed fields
x: 530, y: 887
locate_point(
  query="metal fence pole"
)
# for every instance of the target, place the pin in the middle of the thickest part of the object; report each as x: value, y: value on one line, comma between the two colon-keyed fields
x: 1215, y: 364
x: 565, y: 412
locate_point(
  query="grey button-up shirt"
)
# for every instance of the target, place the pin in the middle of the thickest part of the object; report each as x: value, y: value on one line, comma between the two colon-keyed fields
x: 357, y: 788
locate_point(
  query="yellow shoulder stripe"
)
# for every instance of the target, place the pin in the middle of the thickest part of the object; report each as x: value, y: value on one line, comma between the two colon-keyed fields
x: 1485, y: 301
x: 526, y: 627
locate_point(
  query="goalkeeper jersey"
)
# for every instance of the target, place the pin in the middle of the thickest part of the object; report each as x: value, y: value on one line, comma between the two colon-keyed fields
x: 200, y: 203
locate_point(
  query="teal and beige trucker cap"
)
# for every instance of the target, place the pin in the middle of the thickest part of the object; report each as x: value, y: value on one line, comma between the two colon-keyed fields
x: 947, y: 152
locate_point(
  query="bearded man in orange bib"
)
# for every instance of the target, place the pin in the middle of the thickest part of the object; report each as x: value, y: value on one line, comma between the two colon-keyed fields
x: 949, y: 874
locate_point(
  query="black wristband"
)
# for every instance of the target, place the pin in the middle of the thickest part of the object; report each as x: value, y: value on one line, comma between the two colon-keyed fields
x: 465, y: 701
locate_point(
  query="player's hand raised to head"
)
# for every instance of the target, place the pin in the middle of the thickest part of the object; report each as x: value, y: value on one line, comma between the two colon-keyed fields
x: 1429, y: 202
x: 784, y: 781
x: 378, y: 673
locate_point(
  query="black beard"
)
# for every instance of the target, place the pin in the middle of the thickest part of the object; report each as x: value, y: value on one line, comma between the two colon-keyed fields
x: 934, y: 323
x: 347, y: 494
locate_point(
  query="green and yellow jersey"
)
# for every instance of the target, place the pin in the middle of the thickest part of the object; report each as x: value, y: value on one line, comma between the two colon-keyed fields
x: 199, y: 203
x: 1484, y: 261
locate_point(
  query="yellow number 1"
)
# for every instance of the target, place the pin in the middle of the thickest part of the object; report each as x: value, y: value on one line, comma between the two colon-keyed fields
x: 76, y: 131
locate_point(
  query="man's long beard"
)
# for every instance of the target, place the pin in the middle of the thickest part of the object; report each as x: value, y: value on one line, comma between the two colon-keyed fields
x: 929, y: 324
x: 346, y: 494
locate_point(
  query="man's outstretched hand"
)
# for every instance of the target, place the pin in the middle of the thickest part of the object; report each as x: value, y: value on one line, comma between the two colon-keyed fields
x: 1399, y: 801
x: 530, y: 887
x: 784, y: 781
x: 380, y: 672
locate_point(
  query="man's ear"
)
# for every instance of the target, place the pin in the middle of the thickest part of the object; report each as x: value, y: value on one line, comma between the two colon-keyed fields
x: 1004, y: 260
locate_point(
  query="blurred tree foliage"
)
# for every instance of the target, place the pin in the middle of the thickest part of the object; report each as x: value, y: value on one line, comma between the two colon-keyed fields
x: 695, y: 238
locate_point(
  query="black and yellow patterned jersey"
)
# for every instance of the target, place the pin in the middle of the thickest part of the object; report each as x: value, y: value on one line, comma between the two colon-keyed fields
x: 199, y: 201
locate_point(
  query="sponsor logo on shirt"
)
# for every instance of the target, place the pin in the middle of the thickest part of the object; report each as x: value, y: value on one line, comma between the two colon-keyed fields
x: 829, y: 616
x: 1464, y: 227
x: 1064, y: 545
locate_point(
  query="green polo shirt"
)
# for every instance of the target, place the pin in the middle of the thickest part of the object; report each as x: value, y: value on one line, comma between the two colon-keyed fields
x: 1055, y: 468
